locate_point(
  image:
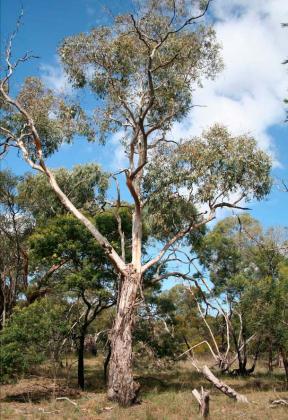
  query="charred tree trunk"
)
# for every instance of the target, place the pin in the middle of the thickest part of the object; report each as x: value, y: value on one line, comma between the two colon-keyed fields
x: 188, y: 346
x: 251, y: 370
x: 242, y: 360
x: 81, y: 374
x: 121, y: 386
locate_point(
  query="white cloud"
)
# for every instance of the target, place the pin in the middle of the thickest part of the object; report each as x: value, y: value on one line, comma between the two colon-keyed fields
x: 119, y: 158
x: 55, y: 78
x: 248, y: 95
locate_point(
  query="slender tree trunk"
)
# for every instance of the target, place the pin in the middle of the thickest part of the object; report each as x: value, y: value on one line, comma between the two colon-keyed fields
x: 188, y: 346
x: 81, y: 375
x: 121, y: 386
x: 3, y: 302
x: 243, y: 357
x: 3, y: 312
x: 279, y: 360
x: 241, y: 360
x: 256, y: 355
x: 244, y: 364
x: 223, y: 339
x: 106, y: 362
x: 270, y: 358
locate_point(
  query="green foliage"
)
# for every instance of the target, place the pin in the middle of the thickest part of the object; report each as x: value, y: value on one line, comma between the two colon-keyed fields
x: 85, y: 185
x: 171, y: 218
x: 84, y: 271
x: 15, y: 227
x: 107, y: 223
x: 83, y: 275
x: 55, y: 119
x: 248, y: 268
x: 269, y: 311
x: 64, y: 238
x: 114, y: 62
x: 237, y: 251
x: 8, y: 183
x: 34, y: 334
x: 227, y: 251
x: 203, y: 170
x: 217, y: 163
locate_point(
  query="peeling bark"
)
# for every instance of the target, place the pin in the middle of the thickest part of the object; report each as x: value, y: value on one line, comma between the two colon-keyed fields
x: 121, y: 385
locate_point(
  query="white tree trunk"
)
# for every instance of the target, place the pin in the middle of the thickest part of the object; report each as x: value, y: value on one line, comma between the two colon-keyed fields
x: 203, y: 401
x: 226, y: 389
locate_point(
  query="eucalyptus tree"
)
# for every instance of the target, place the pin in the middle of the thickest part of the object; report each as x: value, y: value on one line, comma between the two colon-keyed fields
x: 143, y: 69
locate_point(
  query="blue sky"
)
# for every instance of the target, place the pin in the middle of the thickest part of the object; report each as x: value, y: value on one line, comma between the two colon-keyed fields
x: 247, y: 96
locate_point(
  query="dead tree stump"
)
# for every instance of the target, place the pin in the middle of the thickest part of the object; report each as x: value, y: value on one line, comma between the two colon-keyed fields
x: 203, y: 401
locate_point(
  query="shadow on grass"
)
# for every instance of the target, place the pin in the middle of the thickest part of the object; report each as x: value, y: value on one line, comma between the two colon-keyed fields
x: 151, y: 381
x: 94, y: 379
x: 161, y: 381
x: 38, y: 393
x: 179, y: 381
x: 171, y: 381
x: 176, y: 380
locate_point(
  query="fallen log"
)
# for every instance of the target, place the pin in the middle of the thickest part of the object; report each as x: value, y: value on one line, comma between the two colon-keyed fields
x: 67, y: 399
x: 281, y: 401
x: 226, y: 389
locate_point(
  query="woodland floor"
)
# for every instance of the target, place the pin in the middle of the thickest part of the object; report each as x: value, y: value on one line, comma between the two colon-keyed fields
x: 166, y: 395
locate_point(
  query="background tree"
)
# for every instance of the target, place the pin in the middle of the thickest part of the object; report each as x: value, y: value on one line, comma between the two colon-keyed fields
x: 268, y: 314
x: 15, y: 227
x: 34, y: 334
x: 170, y: 324
x: 243, y: 260
x: 82, y: 273
x: 64, y: 259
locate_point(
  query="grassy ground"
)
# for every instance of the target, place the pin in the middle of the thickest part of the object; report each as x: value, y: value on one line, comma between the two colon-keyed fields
x: 166, y: 395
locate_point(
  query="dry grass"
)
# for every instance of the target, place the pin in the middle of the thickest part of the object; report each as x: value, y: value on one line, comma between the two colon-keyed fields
x: 166, y: 395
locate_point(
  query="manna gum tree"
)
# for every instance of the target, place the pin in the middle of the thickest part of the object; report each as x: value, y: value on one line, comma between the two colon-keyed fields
x: 144, y: 68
